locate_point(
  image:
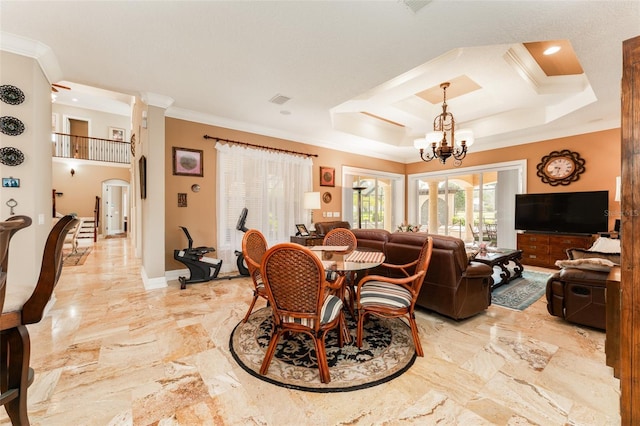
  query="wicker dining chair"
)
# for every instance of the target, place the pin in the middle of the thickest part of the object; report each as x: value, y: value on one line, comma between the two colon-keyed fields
x: 23, y: 305
x: 301, y: 300
x: 341, y: 237
x: 254, y: 246
x: 344, y: 237
x: 394, y: 297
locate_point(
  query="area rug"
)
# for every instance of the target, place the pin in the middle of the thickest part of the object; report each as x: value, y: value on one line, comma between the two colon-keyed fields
x: 520, y: 293
x: 120, y: 235
x: 387, y: 352
x: 77, y: 258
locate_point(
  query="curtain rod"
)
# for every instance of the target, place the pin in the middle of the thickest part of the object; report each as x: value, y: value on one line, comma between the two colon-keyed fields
x: 260, y: 146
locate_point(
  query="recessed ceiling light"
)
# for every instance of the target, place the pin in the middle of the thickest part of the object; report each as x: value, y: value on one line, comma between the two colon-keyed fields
x: 75, y: 99
x: 551, y: 50
x: 285, y: 112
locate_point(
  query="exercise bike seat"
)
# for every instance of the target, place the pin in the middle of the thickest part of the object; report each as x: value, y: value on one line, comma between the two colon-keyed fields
x: 195, y: 250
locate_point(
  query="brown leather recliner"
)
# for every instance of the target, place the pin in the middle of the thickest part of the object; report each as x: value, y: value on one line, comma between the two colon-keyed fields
x: 578, y: 295
x: 453, y: 286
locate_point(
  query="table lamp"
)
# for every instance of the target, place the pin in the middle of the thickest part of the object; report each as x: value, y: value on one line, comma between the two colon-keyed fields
x: 311, y: 201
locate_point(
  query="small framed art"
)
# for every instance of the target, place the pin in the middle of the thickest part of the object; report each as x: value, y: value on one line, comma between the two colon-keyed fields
x: 10, y: 182
x: 142, y: 167
x: 327, y: 176
x: 182, y: 199
x: 301, y: 230
x: 116, y: 134
x: 187, y: 162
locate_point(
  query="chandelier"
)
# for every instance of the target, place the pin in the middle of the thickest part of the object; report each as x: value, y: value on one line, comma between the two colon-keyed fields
x: 444, y: 141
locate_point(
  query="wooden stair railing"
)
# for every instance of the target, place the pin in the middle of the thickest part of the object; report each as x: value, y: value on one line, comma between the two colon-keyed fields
x: 96, y: 218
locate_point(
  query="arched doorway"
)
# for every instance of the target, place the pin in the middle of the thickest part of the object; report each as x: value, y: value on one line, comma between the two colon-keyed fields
x: 115, y: 205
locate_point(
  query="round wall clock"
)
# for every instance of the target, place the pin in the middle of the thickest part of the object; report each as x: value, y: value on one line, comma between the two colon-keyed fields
x: 560, y: 167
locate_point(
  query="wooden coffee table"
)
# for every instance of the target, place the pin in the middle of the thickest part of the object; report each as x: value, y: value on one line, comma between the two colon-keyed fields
x: 501, y: 258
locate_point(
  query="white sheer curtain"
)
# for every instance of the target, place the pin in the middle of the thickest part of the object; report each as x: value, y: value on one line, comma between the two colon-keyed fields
x: 269, y: 184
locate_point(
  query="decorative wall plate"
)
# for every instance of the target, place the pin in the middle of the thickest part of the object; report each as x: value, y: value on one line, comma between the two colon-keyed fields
x: 11, y: 95
x: 11, y: 126
x: 11, y: 156
x: 326, y: 197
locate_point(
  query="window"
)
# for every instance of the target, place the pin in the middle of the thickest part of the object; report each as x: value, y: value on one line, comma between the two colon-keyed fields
x: 378, y: 203
x: 269, y: 184
x: 473, y: 204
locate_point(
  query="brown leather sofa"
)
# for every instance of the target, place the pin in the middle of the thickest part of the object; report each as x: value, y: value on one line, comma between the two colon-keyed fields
x: 453, y: 286
x: 578, y: 295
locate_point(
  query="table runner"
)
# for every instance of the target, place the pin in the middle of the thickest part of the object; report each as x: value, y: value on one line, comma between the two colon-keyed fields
x: 365, y: 257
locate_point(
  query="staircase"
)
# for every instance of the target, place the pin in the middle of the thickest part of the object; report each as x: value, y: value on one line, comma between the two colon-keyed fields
x: 88, y: 229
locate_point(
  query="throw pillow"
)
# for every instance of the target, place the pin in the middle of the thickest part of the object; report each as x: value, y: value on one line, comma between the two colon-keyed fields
x: 577, y: 253
x: 591, y: 264
x: 606, y: 245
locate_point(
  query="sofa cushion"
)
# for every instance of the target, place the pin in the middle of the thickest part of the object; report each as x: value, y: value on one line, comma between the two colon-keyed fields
x: 592, y: 264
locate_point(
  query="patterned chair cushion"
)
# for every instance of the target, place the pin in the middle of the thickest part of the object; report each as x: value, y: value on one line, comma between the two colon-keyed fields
x: 380, y: 293
x: 330, y: 310
x: 330, y: 275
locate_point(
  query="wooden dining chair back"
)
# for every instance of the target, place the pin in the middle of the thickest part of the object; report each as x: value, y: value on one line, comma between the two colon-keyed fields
x: 25, y: 304
x: 341, y: 237
x: 394, y: 297
x: 301, y: 300
x: 254, y: 246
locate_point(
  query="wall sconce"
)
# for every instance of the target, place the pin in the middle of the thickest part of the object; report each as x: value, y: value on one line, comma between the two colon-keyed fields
x: 59, y: 194
x: 73, y: 172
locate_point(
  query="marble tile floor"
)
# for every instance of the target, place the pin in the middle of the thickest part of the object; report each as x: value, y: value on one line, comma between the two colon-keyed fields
x: 111, y: 353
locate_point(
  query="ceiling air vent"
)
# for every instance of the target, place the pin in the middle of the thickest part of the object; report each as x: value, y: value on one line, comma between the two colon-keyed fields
x: 416, y: 5
x: 279, y: 99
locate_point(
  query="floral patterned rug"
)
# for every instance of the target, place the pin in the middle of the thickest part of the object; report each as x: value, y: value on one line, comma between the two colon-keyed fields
x: 387, y: 352
x: 520, y: 293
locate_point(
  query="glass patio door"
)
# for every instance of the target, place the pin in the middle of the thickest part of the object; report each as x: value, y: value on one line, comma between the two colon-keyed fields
x: 371, y: 199
x: 476, y: 205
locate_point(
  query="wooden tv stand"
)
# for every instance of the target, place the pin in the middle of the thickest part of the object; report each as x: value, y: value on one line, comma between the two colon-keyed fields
x: 539, y: 249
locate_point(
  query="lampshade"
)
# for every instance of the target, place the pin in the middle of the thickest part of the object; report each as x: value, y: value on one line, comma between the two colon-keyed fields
x: 311, y: 200
x: 435, y: 136
x: 618, y: 183
x: 465, y: 135
x: 420, y: 143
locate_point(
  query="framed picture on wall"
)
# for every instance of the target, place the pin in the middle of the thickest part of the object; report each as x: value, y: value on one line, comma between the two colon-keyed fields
x: 327, y: 176
x: 187, y: 162
x: 116, y: 134
x: 142, y: 165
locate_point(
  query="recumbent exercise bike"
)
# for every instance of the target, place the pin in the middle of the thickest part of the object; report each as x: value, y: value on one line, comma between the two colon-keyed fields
x: 203, y: 269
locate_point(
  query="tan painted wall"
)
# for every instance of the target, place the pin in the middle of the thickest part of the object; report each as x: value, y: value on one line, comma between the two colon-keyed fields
x: 200, y: 215
x: 80, y: 190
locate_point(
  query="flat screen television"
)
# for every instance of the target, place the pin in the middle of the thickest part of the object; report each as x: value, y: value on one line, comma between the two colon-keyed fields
x: 563, y: 212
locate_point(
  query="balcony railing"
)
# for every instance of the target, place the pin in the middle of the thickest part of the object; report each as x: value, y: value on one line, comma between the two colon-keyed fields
x: 96, y: 149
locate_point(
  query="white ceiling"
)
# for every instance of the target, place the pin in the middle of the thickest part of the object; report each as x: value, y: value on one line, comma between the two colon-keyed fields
x: 221, y: 62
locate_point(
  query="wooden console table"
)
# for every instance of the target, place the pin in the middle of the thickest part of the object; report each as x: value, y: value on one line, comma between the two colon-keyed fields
x: 311, y: 240
x: 544, y: 249
x: 612, y: 341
